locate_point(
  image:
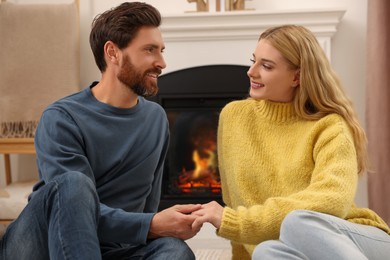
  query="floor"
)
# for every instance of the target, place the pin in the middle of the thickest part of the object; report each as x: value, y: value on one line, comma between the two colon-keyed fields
x: 206, y: 245
x: 212, y: 254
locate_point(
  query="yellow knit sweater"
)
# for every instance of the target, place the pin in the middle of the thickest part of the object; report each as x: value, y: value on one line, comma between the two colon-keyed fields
x: 272, y: 162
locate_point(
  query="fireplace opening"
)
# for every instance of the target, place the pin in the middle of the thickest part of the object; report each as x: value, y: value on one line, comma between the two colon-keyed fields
x: 193, y: 99
x: 192, y: 157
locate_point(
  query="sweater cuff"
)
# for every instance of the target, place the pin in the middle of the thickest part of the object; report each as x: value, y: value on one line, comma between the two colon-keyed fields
x: 145, y: 227
x: 229, y: 225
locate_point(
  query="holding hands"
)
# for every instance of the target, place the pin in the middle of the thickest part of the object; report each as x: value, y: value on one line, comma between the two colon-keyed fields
x: 175, y: 221
x: 210, y: 212
x: 185, y: 221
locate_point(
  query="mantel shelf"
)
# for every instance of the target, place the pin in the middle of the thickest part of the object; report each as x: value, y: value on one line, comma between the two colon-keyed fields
x: 247, y: 24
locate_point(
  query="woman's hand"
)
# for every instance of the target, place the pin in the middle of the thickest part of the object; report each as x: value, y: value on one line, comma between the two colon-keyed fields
x: 210, y: 212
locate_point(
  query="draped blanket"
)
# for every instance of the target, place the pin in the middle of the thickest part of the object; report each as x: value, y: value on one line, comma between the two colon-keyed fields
x: 39, y: 62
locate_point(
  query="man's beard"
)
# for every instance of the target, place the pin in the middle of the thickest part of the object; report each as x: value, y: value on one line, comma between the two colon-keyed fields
x: 136, y: 81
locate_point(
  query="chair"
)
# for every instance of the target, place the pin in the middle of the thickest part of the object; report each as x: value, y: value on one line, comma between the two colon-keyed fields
x: 39, y: 63
x: 13, y: 196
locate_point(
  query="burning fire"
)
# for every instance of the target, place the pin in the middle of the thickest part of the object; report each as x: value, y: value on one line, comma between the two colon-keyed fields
x: 204, y: 175
x: 203, y: 166
x: 199, y: 173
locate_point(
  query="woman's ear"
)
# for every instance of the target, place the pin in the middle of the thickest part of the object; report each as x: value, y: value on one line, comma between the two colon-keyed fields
x: 297, y: 77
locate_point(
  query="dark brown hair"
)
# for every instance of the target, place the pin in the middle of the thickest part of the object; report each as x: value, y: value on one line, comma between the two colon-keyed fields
x: 120, y: 25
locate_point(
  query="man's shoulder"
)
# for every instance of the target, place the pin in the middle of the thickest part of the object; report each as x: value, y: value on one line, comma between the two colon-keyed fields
x: 73, y: 97
x: 62, y: 103
x: 152, y: 106
x: 64, y: 107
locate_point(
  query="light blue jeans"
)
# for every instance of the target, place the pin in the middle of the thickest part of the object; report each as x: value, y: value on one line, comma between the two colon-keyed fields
x: 313, y: 235
x: 60, y: 222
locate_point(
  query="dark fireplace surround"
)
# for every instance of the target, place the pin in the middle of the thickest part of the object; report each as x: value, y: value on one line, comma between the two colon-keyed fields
x: 192, y: 99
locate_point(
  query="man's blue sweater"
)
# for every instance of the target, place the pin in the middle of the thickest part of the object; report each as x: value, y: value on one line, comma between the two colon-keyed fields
x: 121, y: 150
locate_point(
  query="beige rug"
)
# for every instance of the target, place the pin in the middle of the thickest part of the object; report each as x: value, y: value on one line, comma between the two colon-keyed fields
x: 212, y: 254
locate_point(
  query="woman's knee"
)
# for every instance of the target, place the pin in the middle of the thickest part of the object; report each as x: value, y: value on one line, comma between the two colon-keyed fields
x: 298, y: 220
x: 264, y: 249
x: 302, y: 226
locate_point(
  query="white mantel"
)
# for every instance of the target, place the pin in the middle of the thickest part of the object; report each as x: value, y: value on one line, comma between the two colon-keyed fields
x: 203, y: 38
x: 245, y: 24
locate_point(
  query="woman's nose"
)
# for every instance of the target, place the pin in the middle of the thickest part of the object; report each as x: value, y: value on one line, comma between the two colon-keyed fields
x: 250, y: 72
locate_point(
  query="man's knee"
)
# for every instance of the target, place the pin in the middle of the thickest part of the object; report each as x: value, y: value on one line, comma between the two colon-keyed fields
x: 74, y: 178
x: 75, y: 181
x: 76, y: 188
x: 174, y: 248
x: 181, y: 249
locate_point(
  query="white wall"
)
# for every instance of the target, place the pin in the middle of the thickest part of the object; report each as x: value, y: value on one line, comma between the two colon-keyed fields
x: 348, y: 50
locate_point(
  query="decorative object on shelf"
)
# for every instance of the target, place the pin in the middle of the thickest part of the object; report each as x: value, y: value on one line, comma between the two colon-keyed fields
x: 218, y: 5
x: 233, y: 5
x: 201, y: 5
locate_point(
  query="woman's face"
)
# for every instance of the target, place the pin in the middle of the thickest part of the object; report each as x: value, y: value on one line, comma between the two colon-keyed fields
x: 270, y: 75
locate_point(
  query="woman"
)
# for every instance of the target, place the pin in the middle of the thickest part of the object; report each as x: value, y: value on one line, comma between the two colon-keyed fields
x: 289, y: 160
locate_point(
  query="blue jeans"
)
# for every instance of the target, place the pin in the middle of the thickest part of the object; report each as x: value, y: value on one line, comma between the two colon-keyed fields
x: 166, y: 248
x: 60, y: 222
x: 313, y: 235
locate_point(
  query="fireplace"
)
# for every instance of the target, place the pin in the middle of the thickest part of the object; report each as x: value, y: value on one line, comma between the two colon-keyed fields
x: 193, y: 99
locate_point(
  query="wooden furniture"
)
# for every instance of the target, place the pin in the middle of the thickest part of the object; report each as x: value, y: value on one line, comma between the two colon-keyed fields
x: 10, y: 146
x: 14, y: 146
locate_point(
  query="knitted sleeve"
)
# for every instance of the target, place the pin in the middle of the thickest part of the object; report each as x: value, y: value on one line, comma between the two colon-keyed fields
x: 331, y: 189
x: 224, y: 186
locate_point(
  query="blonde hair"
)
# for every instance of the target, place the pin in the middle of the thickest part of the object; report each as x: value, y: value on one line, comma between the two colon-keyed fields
x: 320, y: 92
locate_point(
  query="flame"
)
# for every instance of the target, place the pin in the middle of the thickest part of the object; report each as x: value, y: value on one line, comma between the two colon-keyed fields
x: 205, y: 174
x: 203, y: 165
x: 204, y: 177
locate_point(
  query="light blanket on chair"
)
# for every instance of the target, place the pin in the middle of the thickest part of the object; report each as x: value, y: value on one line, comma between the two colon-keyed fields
x: 39, y: 62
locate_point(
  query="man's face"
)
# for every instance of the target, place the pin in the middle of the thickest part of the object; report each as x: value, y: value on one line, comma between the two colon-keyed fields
x: 142, y: 62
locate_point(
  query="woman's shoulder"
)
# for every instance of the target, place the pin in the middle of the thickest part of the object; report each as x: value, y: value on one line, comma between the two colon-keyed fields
x: 332, y: 126
x: 332, y: 120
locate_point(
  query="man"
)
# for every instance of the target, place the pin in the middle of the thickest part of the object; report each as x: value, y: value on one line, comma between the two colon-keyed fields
x: 100, y: 155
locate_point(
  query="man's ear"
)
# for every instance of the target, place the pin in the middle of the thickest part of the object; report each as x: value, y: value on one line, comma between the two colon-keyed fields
x: 297, y: 78
x: 111, y: 52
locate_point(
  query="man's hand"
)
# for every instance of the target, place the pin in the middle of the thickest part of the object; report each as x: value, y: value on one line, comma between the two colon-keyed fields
x: 175, y: 221
x: 210, y: 212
